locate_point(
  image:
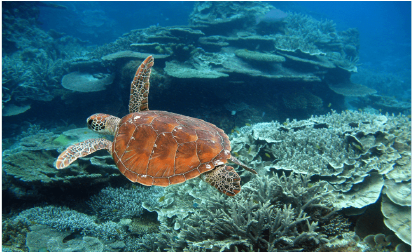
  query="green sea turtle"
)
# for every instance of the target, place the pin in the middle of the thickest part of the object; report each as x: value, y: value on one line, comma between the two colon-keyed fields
x: 158, y: 147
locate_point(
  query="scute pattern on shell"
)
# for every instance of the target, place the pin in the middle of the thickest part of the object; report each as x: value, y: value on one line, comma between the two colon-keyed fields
x: 163, y: 148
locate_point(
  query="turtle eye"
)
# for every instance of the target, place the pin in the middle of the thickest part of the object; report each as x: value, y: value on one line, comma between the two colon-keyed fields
x: 95, y: 124
x: 90, y: 124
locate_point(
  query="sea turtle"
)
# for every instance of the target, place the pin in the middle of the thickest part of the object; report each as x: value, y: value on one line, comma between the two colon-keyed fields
x: 158, y: 147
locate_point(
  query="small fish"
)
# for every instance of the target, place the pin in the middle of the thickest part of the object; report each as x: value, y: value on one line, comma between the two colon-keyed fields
x: 357, y: 146
x: 232, y: 130
x: 236, y: 154
x: 329, y: 105
x: 248, y: 124
x: 161, y: 199
x: 267, y: 155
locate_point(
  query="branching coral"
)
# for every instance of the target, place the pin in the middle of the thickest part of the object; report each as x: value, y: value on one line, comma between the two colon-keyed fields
x: 357, y: 153
x: 62, y: 218
x: 116, y: 203
x: 270, y: 213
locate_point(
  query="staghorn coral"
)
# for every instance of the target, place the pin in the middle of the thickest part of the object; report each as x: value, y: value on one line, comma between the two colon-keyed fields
x: 63, y: 219
x: 259, y: 218
x: 117, y: 203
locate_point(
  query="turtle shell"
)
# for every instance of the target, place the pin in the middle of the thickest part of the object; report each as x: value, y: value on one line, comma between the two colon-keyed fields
x: 163, y: 148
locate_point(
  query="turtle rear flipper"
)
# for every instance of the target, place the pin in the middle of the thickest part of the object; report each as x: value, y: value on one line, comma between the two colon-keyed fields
x: 225, y: 179
x: 81, y: 149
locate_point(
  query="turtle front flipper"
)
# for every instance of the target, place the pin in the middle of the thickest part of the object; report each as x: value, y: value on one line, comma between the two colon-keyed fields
x: 225, y: 179
x: 82, y: 149
x: 139, y: 90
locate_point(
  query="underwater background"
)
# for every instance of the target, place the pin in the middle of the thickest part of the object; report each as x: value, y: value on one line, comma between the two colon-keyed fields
x: 315, y: 96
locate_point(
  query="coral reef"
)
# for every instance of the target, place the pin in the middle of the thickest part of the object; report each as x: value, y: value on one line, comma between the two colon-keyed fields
x: 380, y: 242
x: 357, y: 153
x: 258, y: 56
x: 33, y: 61
x: 63, y: 219
x: 28, y: 165
x: 41, y: 237
x: 343, y: 243
x: 87, y: 82
x: 270, y: 213
x: 385, y: 82
x: 398, y: 217
x: 13, y: 235
x: 382, y: 103
x: 56, y: 228
x: 221, y: 42
x: 117, y: 203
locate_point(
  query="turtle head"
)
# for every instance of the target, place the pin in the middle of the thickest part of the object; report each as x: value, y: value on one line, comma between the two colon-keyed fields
x: 103, y: 124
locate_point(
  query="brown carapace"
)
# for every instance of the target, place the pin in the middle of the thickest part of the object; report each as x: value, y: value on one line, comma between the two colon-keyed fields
x: 158, y: 147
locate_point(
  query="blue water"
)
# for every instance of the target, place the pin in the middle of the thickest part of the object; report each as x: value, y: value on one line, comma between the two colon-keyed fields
x: 384, y: 27
x: 120, y: 17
